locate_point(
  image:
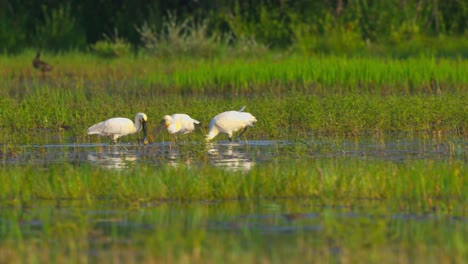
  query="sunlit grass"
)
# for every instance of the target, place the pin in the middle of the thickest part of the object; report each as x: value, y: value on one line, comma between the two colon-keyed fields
x: 343, y: 209
x: 426, y: 185
x: 270, y: 73
x: 289, y: 116
x: 309, y: 95
x: 294, y: 98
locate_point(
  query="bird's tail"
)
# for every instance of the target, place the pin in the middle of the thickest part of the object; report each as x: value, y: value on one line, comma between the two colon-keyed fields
x: 242, y: 109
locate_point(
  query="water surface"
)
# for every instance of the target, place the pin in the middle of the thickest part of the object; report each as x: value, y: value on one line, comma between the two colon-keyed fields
x: 241, y: 155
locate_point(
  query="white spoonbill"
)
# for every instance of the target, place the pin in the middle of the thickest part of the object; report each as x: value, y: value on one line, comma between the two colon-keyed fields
x: 229, y: 122
x: 119, y: 126
x: 179, y: 124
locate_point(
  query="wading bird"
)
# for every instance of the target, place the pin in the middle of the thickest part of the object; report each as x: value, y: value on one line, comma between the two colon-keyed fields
x: 119, y: 126
x: 230, y: 122
x: 179, y: 124
x: 40, y: 65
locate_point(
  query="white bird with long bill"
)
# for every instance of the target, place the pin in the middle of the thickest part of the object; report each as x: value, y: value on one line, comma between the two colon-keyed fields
x: 119, y: 126
x: 179, y: 124
x: 230, y: 122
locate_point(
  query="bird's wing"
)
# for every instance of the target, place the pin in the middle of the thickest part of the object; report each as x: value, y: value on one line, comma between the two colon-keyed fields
x: 185, y: 120
x: 233, y: 121
x: 117, y: 125
x: 120, y: 125
x: 97, y: 128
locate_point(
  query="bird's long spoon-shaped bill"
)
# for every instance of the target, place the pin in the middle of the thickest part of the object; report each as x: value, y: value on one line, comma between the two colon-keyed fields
x: 145, y: 133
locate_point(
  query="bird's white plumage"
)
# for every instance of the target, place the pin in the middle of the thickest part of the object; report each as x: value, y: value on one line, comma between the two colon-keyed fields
x: 179, y: 124
x: 119, y: 126
x: 230, y: 122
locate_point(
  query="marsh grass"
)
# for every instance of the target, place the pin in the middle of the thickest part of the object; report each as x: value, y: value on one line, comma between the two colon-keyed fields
x: 428, y: 185
x: 276, y: 72
x: 341, y: 209
x: 294, y: 98
x: 296, y: 116
x: 310, y: 95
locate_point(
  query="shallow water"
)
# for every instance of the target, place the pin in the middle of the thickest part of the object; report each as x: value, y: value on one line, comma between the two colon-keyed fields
x: 239, y: 156
x: 263, y: 225
x: 273, y: 226
x: 281, y: 216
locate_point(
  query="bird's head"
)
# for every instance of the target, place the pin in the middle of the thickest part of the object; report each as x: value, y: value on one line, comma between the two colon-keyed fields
x: 166, y: 121
x: 142, y: 119
x: 209, y: 136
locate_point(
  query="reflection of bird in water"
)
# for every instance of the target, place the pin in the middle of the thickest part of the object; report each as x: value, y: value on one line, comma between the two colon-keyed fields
x: 230, y: 122
x: 41, y: 65
x: 227, y: 157
x: 112, y: 160
x: 175, y: 158
x: 118, y: 126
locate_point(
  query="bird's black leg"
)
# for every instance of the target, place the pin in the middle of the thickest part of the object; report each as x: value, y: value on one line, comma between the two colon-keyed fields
x: 243, y: 131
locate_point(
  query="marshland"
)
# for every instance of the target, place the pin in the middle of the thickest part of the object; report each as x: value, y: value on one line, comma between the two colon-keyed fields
x: 359, y: 153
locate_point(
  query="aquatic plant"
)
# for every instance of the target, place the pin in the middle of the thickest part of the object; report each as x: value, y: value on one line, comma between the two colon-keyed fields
x: 348, y: 209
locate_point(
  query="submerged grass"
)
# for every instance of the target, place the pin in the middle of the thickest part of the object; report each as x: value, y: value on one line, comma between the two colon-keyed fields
x: 172, y: 241
x: 344, y: 210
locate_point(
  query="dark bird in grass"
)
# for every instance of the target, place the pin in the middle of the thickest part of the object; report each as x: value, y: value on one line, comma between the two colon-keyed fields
x: 41, y: 65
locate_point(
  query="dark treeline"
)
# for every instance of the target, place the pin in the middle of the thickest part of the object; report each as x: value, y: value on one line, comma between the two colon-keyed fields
x: 77, y: 24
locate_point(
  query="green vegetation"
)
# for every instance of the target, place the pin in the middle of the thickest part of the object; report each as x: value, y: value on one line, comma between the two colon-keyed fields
x: 292, y: 206
x: 230, y: 233
x: 270, y: 72
x: 400, y: 28
x: 341, y: 209
x: 417, y: 185
x: 325, y: 95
